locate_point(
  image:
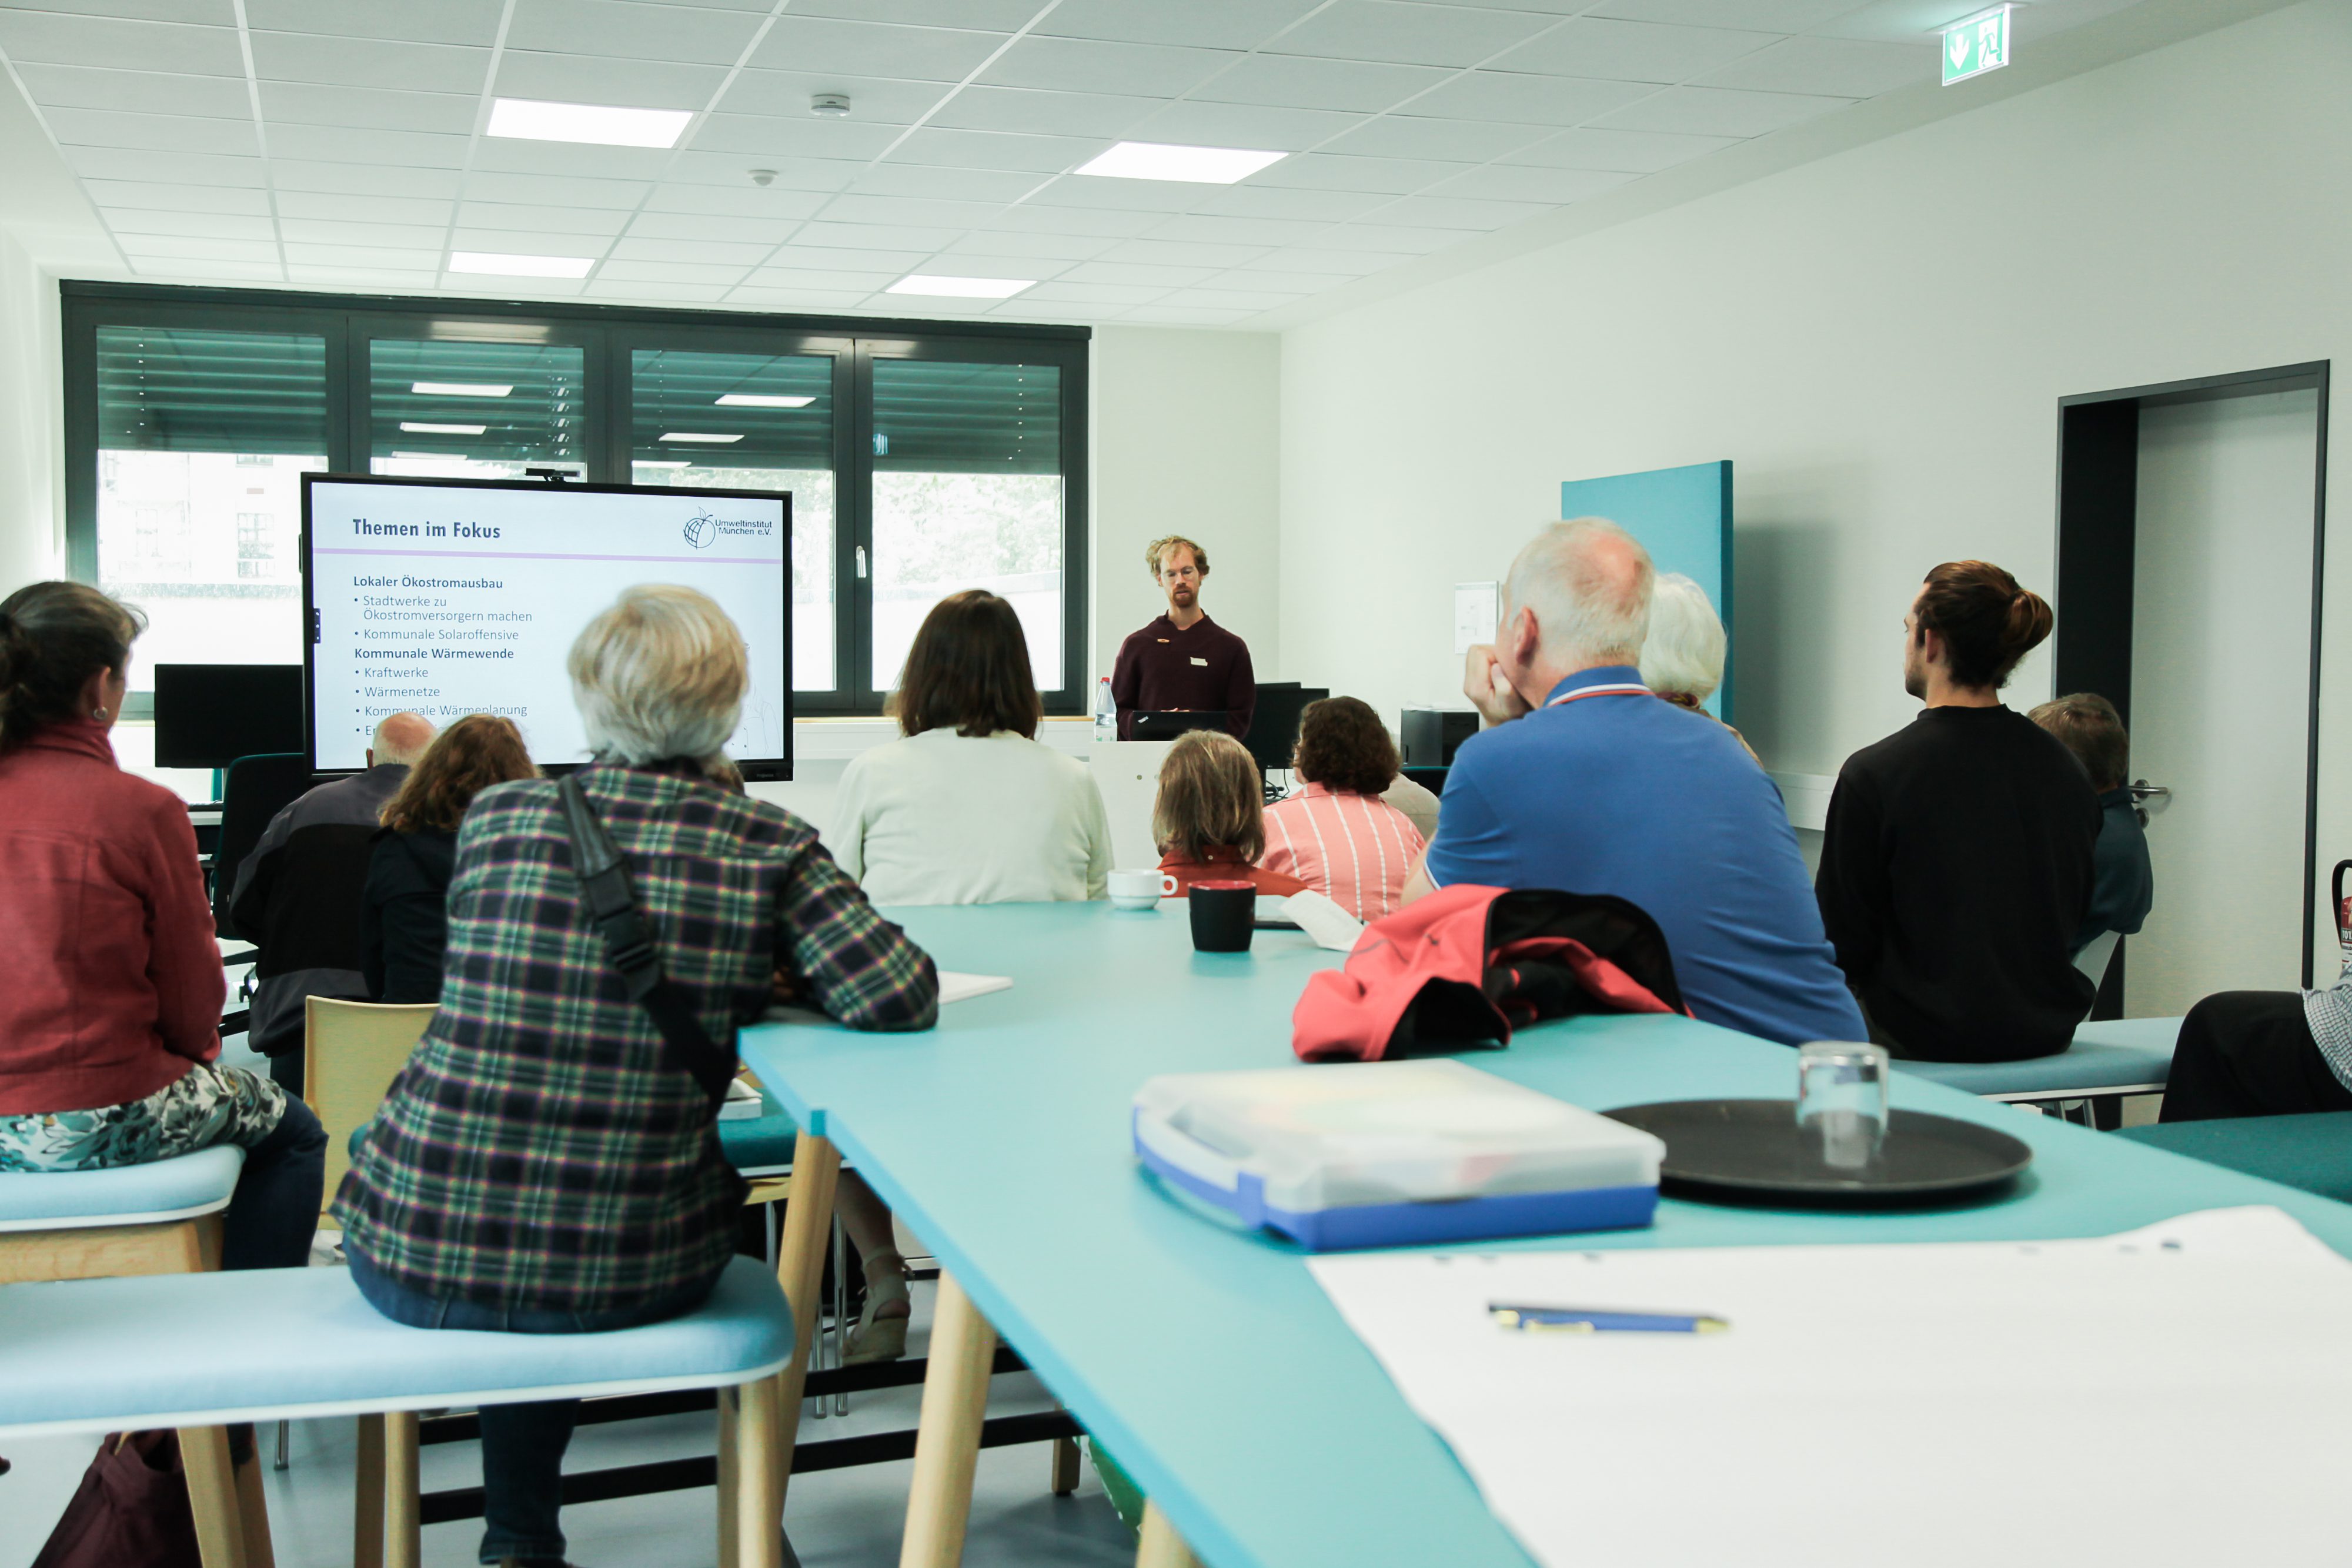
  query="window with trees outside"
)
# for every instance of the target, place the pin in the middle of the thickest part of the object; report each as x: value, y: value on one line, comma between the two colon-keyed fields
x: 921, y: 457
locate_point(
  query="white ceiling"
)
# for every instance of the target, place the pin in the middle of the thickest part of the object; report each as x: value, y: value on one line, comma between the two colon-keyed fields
x: 338, y: 143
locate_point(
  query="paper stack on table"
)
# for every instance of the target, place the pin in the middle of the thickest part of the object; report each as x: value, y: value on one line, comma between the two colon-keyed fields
x: 2177, y: 1395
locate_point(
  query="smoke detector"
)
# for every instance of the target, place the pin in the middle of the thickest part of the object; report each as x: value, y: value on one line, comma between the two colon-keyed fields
x: 762, y: 176
x: 832, y: 105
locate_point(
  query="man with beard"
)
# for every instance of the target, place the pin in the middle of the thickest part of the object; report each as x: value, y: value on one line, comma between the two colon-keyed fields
x: 1182, y: 662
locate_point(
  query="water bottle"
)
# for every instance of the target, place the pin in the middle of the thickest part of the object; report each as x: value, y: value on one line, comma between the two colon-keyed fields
x: 1106, y: 712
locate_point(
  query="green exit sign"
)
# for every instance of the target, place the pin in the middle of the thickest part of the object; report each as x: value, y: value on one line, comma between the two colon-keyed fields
x: 1977, y: 46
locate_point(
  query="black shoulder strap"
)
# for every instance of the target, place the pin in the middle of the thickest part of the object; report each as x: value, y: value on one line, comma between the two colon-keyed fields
x: 604, y: 876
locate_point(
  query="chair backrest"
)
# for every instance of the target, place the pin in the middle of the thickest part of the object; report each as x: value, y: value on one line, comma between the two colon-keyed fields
x: 256, y: 788
x: 351, y: 1052
x: 2094, y: 959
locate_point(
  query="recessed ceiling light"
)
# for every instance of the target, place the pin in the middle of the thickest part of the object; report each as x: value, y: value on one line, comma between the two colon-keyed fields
x: 703, y: 435
x: 458, y: 389
x: 961, y: 287
x: 417, y: 427
x: 650, y: 462
x: 519, y: 266
x: 531, y: 120
x: 1163, y: 161
x: 763, y: 400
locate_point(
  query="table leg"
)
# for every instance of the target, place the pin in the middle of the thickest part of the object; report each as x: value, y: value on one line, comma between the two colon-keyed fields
x: 800, y: 1269
x: 253, y: 1511
x: 758, y: 1523
x: 1066, y: 1466
x: 1160, y: 1546
x: 212, y: 1496
x: 947, y: 1437
x: 367, y: 1496
x: 729, y: 1477
x: 403, y: 1524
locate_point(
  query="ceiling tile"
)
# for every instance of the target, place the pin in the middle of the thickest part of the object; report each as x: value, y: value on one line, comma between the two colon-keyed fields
x: 1329, y: 171
x: 766, y: 135
x: 1029, y: 217
x: 1033, y: 112
x: 625, y: 30
x: 374, y: 108
x: 1228, y: 299
x: 673, y: 272
x: 556, y: 191
x: 359, y: 180
x: 1408, y: 33
x: 1236, y: 231
x: 996, y: 150
x: 1607, y: 50
x: 796, y: 299
x: 209, y: 271
x: 1175, y: 252
x: 174, y: 196
x: 407, y: 257
x: 995, y: 186
x: 571, y: 159
x: 1354, y: 263
x: 634, y: 248
x: 897, y: 264
x: 417, y: 21
x: 325, y: 231
x: 207, y: 12
x: 1719, y: 111
x: 593, y: 79
x: 1049, y: 247
x: 1457, y: 213
x: 1089, y: 191
x: 700, y: 228
x: 1087, y: 65
x: 145, y: 92
x: 1170, y: 316
x: 366, y: 277
x: 1764, y: 15
x: 874, y: 237
x: 1294, y: 284
x: 369, y: 62
x: 790, y: 196
x: 1161, y: 277
x: 607, y: 221
x: 798, y: 43
x: 1207, y: 24
x: 905, y: 211
x: 528, y: 242
x: 1060, y: 293
x: 194, y: 248
x: 1024, y: 306
x: 1412, y: 136
x: 342, y: 144
x: 872, y: 99
x: 57, y: 39
x: 1265, y: 129
x: 1304, y: 206
x: 992, y: 15
x: 339, y: 206
x: 676, y: 293
x: 1519, y: 183
x: 732, y: 170
x: 963, y: 264
x: 1845, y: 68
x: 813, y: 278
x: 160, y: 132
x: 192, y: 226
x: 1408, y: 238
x: 1632, y: 151
x: 1526, y: 99
x: 1295, y: 82
x: 195, y: 168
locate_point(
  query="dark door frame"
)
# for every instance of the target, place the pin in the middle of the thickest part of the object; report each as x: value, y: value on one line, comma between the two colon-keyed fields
x: 2098, y: 471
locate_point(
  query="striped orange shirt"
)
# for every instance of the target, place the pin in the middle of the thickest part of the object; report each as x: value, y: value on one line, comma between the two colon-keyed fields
x: 1356, y: 850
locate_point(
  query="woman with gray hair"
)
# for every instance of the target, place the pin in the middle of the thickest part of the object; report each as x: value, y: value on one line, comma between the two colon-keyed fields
x: 542, y: 1165
x: 1683, y: 656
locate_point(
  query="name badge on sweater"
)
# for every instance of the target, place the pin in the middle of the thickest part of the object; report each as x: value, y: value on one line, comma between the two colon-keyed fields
x: 1203, y: 662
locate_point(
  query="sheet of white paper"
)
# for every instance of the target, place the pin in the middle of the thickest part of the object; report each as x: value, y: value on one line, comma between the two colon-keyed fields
x: 1475, y: 607
x: 1314, y: 914
x: 960, y: 988
x: 2180, y: 1394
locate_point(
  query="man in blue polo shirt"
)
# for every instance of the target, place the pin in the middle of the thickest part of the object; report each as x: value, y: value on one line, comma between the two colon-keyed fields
x: 1583, y: 780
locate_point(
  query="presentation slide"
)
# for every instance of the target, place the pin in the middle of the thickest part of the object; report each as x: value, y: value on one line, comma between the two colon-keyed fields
x: 451, y: 598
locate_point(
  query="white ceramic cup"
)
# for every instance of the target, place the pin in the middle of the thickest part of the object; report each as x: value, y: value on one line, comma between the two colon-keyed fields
x: 1139, y: 889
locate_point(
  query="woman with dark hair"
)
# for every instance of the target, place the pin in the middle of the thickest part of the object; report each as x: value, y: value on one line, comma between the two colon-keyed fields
x: 1337, y: 835
x: 405, y: 907
x: 109, y: 1024
x: 1209, y: 819
x: 1957, y: 861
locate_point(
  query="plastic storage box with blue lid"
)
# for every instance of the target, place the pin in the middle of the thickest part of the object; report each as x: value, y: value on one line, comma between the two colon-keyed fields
x: 1388, y: 1153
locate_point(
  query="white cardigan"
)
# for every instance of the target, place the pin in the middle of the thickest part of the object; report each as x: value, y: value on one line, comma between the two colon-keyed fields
x: 942, y: 818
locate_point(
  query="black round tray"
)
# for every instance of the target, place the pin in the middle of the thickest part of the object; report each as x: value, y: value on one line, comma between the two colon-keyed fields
x: 1750, y: 1149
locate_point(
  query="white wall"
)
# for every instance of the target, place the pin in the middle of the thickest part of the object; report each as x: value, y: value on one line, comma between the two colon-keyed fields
x: 1877, y: 340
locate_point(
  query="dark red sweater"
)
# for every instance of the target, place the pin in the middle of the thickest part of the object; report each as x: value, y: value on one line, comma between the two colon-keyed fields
x: 1203, y: 669
x: 115, y: 982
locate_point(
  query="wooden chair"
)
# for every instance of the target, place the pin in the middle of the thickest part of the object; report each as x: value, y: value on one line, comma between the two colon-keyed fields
x: 350, y: 1053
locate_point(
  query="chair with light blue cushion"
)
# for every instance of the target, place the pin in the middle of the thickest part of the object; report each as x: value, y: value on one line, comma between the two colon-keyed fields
x: 101, y: 1356
x: 2311, y: 1152
x: 2108, y: 1059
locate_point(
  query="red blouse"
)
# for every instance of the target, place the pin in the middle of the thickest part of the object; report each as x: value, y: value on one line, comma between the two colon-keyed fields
x: 115, y: 982
x: 1224, y: 862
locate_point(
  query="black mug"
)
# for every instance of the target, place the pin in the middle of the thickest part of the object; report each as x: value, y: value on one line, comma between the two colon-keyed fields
x: 1223, y: 915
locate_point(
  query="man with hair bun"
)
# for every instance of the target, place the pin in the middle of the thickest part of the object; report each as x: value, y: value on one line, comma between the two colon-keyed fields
x: 1182, y: 662
x: 1957, y: 861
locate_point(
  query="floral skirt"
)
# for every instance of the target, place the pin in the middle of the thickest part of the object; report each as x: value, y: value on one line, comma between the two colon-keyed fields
x: 206, y: 1105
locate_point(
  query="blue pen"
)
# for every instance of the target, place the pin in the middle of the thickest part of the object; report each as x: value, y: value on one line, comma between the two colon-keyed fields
x: 1601, y: 1320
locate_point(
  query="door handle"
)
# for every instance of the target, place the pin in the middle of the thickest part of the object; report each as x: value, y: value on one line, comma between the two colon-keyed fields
x: 2142, y: 791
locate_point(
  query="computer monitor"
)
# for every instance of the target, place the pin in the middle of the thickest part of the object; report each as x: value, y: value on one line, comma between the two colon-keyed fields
x: 208, y: 715
x: 1168, y: 725
x: 1273, y: 725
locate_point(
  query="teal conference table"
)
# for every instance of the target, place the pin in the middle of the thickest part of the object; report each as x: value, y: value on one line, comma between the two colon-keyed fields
x: 1209, y: 1361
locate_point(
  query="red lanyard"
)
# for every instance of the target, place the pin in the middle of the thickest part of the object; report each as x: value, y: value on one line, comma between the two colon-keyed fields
x: 1614, y: 689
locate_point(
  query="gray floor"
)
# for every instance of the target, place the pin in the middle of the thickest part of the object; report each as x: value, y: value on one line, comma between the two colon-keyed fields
x: 836, y: 1519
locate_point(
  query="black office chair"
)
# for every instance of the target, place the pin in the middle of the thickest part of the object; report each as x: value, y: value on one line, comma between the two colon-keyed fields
x: 256, y: 788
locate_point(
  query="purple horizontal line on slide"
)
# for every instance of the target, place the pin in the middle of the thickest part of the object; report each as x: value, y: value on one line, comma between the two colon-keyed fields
x: 553, y: 555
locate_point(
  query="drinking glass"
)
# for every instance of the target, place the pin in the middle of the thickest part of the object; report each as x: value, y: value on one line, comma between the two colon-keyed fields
x: 1842, y: 1102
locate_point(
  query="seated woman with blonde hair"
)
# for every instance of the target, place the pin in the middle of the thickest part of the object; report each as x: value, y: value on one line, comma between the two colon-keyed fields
x: 1210, y: 819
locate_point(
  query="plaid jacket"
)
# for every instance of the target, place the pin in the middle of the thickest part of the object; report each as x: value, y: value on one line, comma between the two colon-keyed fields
x: 537, y: 1151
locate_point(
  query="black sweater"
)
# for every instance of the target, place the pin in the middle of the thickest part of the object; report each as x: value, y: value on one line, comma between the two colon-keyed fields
x: 1956, y: 869
x: 404, y: 915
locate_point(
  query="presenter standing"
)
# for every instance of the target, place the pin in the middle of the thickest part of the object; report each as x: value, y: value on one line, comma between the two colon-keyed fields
x: 1182, y: 662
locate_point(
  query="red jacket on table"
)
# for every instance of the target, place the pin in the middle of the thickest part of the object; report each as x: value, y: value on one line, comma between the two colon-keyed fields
x: 115, y: 983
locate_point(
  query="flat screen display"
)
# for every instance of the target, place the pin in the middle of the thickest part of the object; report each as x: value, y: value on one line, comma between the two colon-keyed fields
x: 208, y: 715
x: 451, y: 596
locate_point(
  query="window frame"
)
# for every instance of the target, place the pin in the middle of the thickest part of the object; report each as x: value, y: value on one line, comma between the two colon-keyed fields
x: 608, y: 336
